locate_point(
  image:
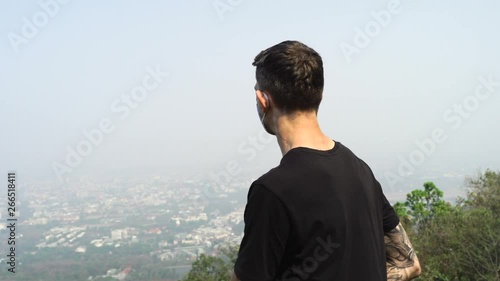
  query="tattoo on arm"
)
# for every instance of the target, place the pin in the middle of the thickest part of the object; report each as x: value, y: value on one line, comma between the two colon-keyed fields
x: 400, y: 256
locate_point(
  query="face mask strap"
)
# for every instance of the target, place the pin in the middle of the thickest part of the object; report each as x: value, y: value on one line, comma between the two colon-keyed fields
x: 267, y: 104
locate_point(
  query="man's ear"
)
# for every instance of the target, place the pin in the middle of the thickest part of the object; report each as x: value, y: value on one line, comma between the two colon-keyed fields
x: 263, y: 99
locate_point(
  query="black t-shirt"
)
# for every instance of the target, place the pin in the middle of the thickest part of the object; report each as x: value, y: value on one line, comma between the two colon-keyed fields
x: 319, y: 215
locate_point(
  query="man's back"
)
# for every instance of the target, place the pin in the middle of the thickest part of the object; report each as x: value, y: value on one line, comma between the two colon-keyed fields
x: 319, y: 215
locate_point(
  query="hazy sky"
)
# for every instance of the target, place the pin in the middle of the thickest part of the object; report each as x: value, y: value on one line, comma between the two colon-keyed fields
x: 396, y: 72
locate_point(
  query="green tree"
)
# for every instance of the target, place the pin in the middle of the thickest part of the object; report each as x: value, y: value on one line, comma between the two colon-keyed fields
x: 208, y: 268
x: 480, y: 245
x: 481, y: 235
x: 460, y: 242
x: 484, y: 191
x: 230, y: 253
x: 402, y: 211
x: 438, y: 244
x: 423, y: 204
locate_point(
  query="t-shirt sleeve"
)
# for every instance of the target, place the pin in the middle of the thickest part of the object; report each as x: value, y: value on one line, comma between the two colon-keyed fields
x: 266, y: 232
x: 390, y: 217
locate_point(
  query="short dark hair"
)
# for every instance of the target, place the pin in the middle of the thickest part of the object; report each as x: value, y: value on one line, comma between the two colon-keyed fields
x: 292, y: 73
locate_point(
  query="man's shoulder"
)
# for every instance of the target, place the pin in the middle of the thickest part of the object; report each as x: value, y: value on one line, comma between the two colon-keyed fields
x: 275, y: 174
x: 276, y: 180
x: 347, y: 152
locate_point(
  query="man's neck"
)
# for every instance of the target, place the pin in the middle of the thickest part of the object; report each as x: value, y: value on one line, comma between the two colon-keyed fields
x: 302, y: 130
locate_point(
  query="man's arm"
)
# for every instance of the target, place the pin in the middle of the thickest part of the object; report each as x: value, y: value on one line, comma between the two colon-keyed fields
x: 402, y: 262
x: 265, y: 236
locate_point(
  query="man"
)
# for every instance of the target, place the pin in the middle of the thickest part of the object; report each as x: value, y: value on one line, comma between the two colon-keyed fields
x: 321, y: 214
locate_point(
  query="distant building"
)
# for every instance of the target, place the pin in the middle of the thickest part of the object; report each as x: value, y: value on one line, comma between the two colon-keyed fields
x: 118, y: 234
x: 81, y: 250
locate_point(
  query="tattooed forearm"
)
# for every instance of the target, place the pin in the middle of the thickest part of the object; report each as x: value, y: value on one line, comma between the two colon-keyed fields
x: 402, y: 263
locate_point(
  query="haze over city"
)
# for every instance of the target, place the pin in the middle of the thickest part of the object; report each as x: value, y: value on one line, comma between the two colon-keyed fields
x: 394, y: 73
